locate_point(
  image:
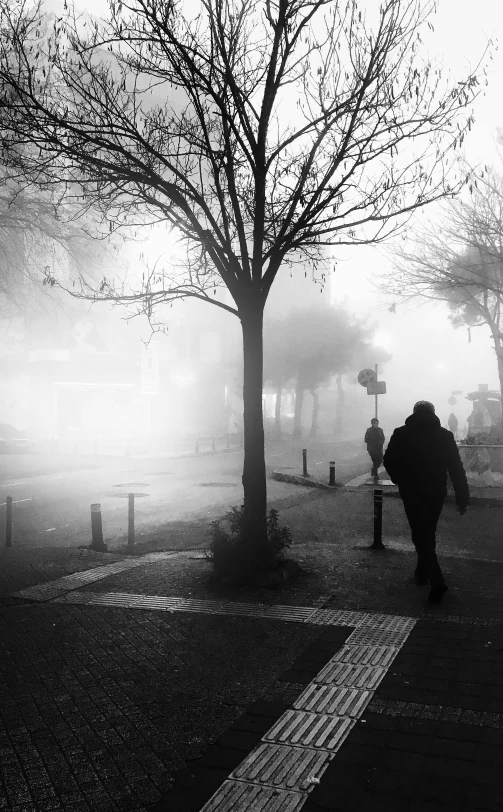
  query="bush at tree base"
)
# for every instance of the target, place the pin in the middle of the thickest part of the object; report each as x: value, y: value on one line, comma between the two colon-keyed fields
x: 231, y: 554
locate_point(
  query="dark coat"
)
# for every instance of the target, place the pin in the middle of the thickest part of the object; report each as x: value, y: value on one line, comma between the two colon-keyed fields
x: 421, y: 454
x: 374, y: 437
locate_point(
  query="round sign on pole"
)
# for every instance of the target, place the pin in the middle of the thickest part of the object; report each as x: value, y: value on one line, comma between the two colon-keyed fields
x: 366, y: 376
x: 452, y: 401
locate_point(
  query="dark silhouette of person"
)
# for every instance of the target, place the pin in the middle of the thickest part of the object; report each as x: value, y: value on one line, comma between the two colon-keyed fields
x: 452, y: 422
x: 418, y: 458
x: 374, y: 437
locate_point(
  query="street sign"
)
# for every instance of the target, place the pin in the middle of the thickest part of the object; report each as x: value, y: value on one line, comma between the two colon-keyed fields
x: 452, y: 401
x: 366, y: 376
x: 376, y: 388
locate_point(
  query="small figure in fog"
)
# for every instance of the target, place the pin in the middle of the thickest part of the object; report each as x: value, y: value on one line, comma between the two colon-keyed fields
x: 374, y: 437
x: 453, y: 425
x: 418, y: 458
x: 233, y: 428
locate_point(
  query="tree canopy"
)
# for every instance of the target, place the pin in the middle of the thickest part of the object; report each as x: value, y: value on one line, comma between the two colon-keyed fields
x: 458, y: 259
x: 259, y: 131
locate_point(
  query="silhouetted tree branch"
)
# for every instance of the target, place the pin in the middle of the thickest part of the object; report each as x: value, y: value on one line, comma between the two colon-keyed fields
x: 260, y: 132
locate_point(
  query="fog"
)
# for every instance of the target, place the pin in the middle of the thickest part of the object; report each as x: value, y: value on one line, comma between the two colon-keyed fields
x: 83, y: 378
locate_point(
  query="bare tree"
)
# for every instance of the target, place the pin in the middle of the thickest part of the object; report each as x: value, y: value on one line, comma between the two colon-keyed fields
x: 261, y: 131
x: 38, y: 236
x: 459, y: 260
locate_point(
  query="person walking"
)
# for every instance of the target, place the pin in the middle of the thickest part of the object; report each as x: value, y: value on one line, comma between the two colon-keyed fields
x: 374, y: 437
x: 452, y: 422
x: 418, y: 458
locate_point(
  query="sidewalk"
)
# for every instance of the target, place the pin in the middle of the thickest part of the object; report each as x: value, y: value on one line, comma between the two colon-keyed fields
x: 140, y: 685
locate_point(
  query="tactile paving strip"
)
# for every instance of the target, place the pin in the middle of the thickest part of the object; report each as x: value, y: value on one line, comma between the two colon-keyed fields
x: 417, y: 710
x: 348, y: 675
x: 299, y: 727
x: 127, y: 600
x: 463, y: 619
x: 337, y: 617
x: 389, y: 623
x: 367, y: 636
x: 382, y: 656
x: 282, y: 766
x: 236, y: 796
x: 295, y: 613
x: 44, y: 592
x: 329, y: 699
x: 320, y: 719
x: 124, y: 600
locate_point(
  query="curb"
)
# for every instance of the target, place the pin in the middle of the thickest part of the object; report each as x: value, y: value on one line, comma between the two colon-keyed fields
x: 475, y: 499
x: 306, y: 481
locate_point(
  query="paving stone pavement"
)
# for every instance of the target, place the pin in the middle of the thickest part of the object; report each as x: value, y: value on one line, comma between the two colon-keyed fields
x: 114, y: 708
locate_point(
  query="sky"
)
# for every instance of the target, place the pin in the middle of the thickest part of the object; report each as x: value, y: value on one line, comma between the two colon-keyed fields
x: 429, y: 357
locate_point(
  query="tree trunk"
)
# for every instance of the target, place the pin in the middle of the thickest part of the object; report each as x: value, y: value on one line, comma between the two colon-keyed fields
x: 340, y: 405
x: 316, y: 409
x: 254, y: 473
x: 297, y: 418
x: 277, y: 410
x: 499, y: 355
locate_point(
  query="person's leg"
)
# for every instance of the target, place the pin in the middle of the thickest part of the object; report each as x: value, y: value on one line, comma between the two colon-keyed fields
x: 413, y: 511
x: 432, y: 510
x: 423, y: 511
x: 376, y: 463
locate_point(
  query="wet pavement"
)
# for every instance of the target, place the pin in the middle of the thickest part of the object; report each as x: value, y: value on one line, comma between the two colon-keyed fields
x: 138, y: 684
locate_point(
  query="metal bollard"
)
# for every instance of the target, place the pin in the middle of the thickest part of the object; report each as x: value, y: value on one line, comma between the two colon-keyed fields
x: 8, y: 522
x: 197, y: 446
x: 228, y: 440
x: 377, y: 545
x: 304, y: 462
x: 213, y: 444
x: 331, y: 480
x: 97, y: 528
x: 130, y: 521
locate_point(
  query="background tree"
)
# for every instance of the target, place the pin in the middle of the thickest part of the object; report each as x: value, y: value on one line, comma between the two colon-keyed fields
x: 261, y: 132
x: 36, y: 235
x: 459, y: 260
x: 310, y: 347
x: 278, y: 369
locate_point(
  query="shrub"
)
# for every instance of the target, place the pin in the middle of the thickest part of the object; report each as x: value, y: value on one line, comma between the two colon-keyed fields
x: 483, y: 439
x: 233, y: 557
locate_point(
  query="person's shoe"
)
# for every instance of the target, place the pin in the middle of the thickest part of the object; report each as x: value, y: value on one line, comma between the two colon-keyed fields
x: 437, y: 593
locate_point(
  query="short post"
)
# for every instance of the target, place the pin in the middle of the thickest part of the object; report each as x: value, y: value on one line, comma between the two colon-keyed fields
x: 331, y: 480
x: 197, y: 446
x: 377, y: 545
x: 130, y: 521
x: 228, y: 440
x: 213, y: 444
x: 8, y: 522
x: 97, y: 528
x: 304, y: 462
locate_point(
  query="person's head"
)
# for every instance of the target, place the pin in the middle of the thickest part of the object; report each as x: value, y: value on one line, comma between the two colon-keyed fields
x: 374, y: 422
x: 423, y: 406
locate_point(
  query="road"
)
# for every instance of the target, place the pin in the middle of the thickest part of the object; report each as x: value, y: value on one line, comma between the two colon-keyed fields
x: 52, y: 494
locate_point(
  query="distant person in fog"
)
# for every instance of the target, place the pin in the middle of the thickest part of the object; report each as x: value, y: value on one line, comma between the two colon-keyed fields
x: 233, y: 428
x: 374, y: 437
x: 453, y: 425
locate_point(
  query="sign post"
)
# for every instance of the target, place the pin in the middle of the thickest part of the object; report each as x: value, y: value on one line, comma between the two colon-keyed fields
x: 376, y: 392
x: 368, y: 378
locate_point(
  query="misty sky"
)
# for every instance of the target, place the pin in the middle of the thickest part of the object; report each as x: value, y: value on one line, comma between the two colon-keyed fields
x: 430, y: 358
